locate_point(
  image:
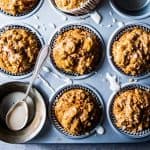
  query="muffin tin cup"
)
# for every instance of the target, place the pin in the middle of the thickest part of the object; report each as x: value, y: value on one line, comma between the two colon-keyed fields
x: 24, y: 15
x: 34, y: 32
x: 115, y: 36
x: 67, y: 27
x: 132, y: 14
x: 66, y: 88
x: 82, y: 11
x: 111, y: 118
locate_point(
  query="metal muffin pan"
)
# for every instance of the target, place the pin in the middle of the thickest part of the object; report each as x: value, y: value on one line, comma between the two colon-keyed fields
x: 115, y: 36
x: 98, y: 101
x: 34, y: 32
x: 111, y: 117
x: 25, y: 15
x: 46, y: 16
x: 68, y: 27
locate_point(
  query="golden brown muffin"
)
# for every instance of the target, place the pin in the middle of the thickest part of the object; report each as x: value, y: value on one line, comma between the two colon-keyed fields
x: 69, y: 4
x: 131, y: 52
x: 131, y: 110
x: 18, y: 50
x: 76, y: 51
x: 17, y: 7
x: 77, y: 111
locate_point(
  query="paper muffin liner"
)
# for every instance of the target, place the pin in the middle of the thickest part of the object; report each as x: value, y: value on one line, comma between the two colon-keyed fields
x: 32, y: 31
x: 22, y: 14
x: 85, y: 9
x: 54, y: 100
x: 117, y: 35
x: 140, y: 134
x: 85, y: 28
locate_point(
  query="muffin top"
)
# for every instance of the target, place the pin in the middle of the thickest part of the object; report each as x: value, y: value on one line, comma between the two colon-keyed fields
x: 17, y: 7
x: 131, y: 110
x: 69, y: 4
x: 131, y: 52
x: 76, y: 51
x: 18, y: 50
x: 77, y: 111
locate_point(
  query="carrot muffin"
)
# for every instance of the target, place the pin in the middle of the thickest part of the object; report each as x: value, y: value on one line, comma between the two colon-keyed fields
x: 17, y: 7
x: 69, y: 4
x: 76, y: 51
x: 77, y: 111
x: 18, y: 50
x: 131, y: 110
x: 131, y: 52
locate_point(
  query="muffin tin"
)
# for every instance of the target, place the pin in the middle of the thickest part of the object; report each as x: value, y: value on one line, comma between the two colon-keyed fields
x: 45, y: 21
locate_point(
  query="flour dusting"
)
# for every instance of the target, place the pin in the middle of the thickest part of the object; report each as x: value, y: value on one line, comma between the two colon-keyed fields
x: 115, y: 21
x: 114, y: 84
x: 96, y: 17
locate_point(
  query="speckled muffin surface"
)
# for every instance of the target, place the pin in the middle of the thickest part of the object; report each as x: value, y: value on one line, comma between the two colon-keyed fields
x: 17, y: 7
x: 131, y: 52
x: 76, y: 51
x: 77, y: 112
x: 18, y: 50
x: 131, y: 110
x: 70, y: 4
